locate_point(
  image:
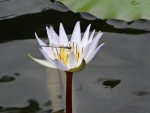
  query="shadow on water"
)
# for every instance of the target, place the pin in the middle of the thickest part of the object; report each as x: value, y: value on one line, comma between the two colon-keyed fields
x: 32, y: 107
x: 9, y: 78
x: 4, y: 1
x: 6, y: 78
x: 5, y: 17
x: 141, y: 93
x: 109, y: 83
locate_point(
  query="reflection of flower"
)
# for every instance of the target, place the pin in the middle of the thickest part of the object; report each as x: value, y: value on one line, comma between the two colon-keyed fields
x: 68, y: 55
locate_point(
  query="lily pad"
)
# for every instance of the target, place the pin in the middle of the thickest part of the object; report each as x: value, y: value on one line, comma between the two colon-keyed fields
x: 127, y: 10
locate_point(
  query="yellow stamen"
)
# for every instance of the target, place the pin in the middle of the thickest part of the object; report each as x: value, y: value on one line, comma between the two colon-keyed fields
x: 58, y: 55
x: 63, y: 53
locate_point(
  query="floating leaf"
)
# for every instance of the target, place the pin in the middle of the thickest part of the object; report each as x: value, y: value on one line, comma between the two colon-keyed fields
x: 128, y: 10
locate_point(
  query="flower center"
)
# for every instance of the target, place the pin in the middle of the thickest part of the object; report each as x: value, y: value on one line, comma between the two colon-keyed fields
x: 63, y: 53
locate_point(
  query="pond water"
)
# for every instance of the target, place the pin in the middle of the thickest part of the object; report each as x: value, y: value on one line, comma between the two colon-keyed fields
x: 116, y: 81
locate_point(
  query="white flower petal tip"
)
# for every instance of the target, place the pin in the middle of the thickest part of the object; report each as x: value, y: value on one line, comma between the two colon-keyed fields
x: 76, y: 35
x: 79, y: 68
x: 63, y: 36
x: 42, y: 62
x: 102, y: 44
x: 94, y: 53
x: 41, y: 43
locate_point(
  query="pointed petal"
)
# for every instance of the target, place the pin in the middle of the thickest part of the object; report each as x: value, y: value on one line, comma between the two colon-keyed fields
x: 63, y: 36
x: 84, y: 41
x: 41, y: 43
x: 94, y: 43
x: 60, y: 65
x: 47, y: 50
x: 76, y: 35
x: 44, y: 54
x: 93, y: 53
x: 85, y: 50
x: 55, y: 38
x: 48, y: 64
x: 49, y: 34
x: 71, y: 60
x: 97, y: 38
x: 91, y: 36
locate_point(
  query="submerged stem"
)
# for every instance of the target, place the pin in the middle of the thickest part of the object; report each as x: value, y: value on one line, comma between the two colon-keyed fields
x: 69, y: 92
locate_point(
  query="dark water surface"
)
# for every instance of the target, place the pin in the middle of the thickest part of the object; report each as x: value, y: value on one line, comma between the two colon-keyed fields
x: 116, y: 81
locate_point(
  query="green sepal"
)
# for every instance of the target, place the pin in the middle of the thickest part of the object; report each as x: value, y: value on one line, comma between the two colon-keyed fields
x: 79, y: 68
x: 31, y: 57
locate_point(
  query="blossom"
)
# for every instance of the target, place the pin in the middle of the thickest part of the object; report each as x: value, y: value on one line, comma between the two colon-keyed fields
x: 68, y: 55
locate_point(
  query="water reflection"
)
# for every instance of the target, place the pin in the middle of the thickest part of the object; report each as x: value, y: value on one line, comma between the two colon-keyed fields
x: 6, y: 78
x: 32, y: 107
x: 60, y: 111
x: 4, y: 0
x: 9, y: 78
x: 48, y: 103
x: 8, y: 16
x: 16, y: 74
x: 109, y: 83
x: 141, y: 93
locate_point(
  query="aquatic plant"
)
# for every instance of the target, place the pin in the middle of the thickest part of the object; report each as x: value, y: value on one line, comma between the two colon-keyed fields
x: 68, y: 55
x: 128, y: 10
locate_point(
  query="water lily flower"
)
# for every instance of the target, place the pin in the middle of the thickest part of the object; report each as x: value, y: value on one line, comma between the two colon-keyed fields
x: 68, y: 55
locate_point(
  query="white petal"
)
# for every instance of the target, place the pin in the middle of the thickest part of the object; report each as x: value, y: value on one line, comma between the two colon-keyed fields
x: 84, y: 41
x: 91, y: 36
x: 55, y: 38
x: 63, y: 36
x: 71, y: 60
x: 49, y: 34
x: 41, y: 43
x: 97, y: 37
x: 44, y: 54
x: 94, y: 43
x: 49, y: 64
x: 93, y: 53
x: 79, y: 62
x: 85, y: 51
x: 60, y: 65
x: 47, y: 53
x: 76, y: 35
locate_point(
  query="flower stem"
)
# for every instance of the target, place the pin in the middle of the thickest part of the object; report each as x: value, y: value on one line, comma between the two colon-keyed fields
x: 69, y: 92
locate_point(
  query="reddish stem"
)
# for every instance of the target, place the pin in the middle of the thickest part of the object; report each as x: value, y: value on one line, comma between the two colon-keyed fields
x: 69, y: 92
